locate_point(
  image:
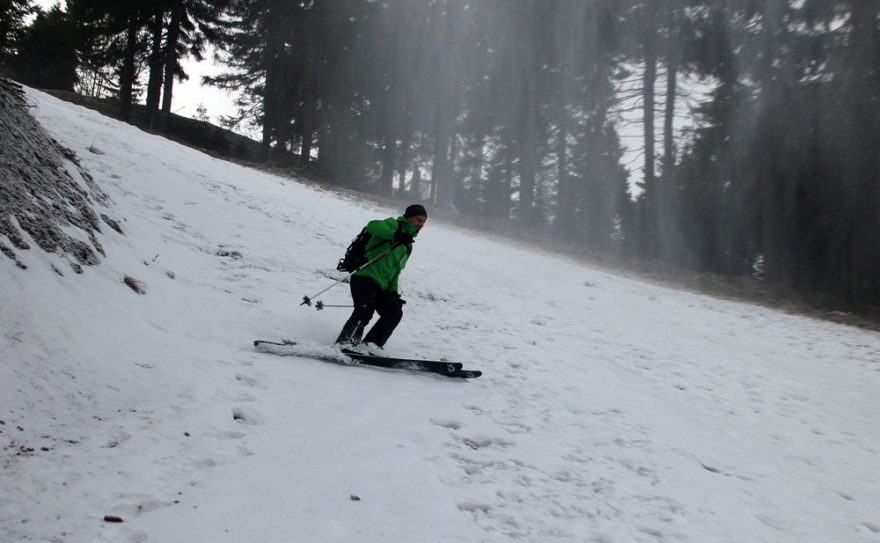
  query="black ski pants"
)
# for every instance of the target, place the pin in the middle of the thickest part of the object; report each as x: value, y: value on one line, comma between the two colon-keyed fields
x: 369, y: 297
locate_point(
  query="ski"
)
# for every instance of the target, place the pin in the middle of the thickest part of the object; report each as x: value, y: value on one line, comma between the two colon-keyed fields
x: 465, y: 374
x: 449, y: 369
x: 283, y: 342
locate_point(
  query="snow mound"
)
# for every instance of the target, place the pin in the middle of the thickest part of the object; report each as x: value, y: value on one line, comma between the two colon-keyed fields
x: 44, y: 191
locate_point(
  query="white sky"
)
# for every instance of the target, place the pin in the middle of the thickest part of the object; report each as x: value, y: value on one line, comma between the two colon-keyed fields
x: 188, y: 95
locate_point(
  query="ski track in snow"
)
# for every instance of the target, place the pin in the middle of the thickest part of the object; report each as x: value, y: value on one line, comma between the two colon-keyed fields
x: 610, y: 410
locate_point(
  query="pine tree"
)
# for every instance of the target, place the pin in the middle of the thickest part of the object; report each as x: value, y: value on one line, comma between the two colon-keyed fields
x: 12, y: 22
x: 192, y: 24
x: 264, y: 44
x: 46, y: 55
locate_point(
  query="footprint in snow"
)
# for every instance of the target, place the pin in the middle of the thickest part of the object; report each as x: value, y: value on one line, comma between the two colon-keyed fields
x: 120, y: 534
x: 482, y: 442
x: 516, y: 427
x: 475, y: 409
x: 473, y: 466
x: 472, y: 507
x: 450, y: 424
x: 247, y: 416
x: 249, y: 381
x: 132, y: 504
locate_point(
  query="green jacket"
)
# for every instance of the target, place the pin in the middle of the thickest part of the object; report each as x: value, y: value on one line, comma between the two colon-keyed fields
x: 386, y: 270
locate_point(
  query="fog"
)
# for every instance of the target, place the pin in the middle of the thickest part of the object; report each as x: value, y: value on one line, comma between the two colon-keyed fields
x: 725, y: 138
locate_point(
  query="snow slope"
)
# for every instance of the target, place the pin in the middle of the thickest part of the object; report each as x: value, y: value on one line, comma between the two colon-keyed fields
x: 610, y: 410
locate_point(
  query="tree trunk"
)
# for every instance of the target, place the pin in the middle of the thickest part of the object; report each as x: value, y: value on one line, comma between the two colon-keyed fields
x: 310, y: 85
x: 565, y: 206
x: 444, y: 115
x: 478, y: 152
x: 774, y: 218
x: 386, y: 181
x: 126, y: 83
x: 528, y: 156
x: 273, y: 86
x: 441, y: 149
x: 415, y: 182
x: 860, y: 280
x: 649, y: 78
x: 671, y: 88
x: 528, y: 115
x: 170, y: 63
x: 154, y: 86
x: 403, y: 159
x: 667, y: 194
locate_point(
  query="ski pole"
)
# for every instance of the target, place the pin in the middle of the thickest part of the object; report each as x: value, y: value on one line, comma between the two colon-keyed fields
x: 307, y: 300
x: 319, y: 305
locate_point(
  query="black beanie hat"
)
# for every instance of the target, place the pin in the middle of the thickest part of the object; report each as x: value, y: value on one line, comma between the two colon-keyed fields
x: 415, y: 210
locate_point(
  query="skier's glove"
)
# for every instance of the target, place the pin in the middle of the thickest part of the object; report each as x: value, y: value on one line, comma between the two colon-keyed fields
x: 404, y: 238
x: 400, y: 300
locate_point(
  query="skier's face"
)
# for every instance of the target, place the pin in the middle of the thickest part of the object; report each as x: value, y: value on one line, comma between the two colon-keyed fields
x: 418, y: 221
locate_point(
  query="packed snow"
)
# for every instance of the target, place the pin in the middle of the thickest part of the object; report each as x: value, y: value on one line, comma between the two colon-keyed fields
x: 610, y: 409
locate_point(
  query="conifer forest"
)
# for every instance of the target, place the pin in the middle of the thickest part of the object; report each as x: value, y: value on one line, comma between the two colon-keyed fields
x: 739, y: 138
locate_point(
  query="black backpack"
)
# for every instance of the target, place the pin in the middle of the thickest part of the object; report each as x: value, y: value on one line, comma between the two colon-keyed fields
x: 355, y: 256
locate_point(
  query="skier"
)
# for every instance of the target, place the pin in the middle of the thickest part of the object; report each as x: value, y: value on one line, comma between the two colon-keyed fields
x: 374, y: 288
